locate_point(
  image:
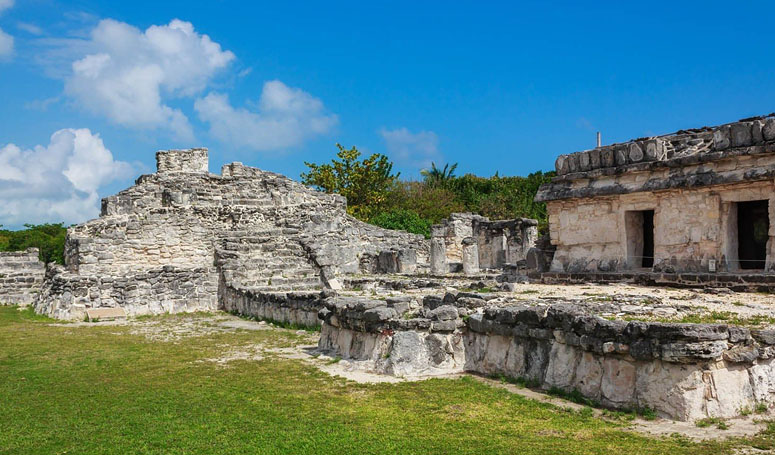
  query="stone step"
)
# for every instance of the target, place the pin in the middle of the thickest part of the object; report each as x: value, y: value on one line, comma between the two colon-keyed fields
x: 105, y: 314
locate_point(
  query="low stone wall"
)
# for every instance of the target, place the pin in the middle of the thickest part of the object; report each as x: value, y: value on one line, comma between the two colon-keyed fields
x: 745, y: 282
x: 376, y: 331
x: 681, y: 371
x: 21, y: 276
x: 299, y: 308
x: 166, y: 290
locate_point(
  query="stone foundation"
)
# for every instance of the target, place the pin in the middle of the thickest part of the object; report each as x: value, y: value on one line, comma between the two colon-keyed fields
x: 300, y: 308
x: 681, y: 371
x: 21, y: 277
x: 65, y: 295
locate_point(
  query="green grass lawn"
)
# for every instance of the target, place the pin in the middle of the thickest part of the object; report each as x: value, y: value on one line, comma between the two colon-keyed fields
x: 102, y: 389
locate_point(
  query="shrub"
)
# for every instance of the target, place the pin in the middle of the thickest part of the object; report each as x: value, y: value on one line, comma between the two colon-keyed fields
x: 404, y: 220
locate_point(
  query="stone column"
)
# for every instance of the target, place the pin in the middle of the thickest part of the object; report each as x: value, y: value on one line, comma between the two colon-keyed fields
x: 439, y: 256
x: 407, y: 261
x: 470, y: 256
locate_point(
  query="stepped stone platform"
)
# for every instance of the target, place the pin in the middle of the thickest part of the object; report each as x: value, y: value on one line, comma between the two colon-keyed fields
x: 631, y: 349
x: 184, y: 239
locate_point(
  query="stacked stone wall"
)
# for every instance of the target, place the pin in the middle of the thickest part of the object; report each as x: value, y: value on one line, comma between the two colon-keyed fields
x: 682, y: 371
x: 300, y: 308
x: 66, y: 295
x: 691, y: 180
x: 691, y: 229
x: 21, y: 276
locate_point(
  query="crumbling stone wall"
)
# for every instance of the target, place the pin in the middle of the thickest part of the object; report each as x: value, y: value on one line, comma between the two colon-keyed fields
x: 691, y: 180
x: 21, y: 276
x: 496, y: 242
x: 262, y: 230
x: 682, y: 371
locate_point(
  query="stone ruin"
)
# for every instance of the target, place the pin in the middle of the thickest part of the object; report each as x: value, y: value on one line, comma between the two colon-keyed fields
x: 466, y: 242
x: 21, y: 276
x: 258, y: 244
x: 184, y: 239
x: 694, y: 206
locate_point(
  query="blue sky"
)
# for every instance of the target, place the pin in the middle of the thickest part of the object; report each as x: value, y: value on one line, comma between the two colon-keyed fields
x: 496, y: 87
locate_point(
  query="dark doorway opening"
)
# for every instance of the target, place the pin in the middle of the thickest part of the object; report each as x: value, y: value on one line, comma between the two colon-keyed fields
x: 753, y: 226
x: 639, y: 228
x: 648, y: 239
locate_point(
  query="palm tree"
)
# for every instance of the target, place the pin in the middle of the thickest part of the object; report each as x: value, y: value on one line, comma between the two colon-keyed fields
x: 439, y: 176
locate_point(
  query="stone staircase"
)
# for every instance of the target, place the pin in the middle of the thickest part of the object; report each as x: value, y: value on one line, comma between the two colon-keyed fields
x: 270, y: 260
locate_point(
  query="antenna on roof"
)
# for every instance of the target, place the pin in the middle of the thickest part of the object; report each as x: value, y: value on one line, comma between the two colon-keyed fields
x: 599, y: 142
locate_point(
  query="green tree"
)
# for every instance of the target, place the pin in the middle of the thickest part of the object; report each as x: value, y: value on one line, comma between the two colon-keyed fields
x: 439, y: 176
x: 365, y: 183
x: 49, y: 239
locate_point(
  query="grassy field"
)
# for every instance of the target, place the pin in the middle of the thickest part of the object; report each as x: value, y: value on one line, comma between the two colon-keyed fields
x: 110, y: 389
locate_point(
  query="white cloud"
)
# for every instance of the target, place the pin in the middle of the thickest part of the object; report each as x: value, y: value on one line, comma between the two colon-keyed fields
x: 6, y: 44
x: 128, y: 75
x: 58, y: 182
x: 284, y: 117
x: 6, y: 4
x: 416, y: 150
x: 29, y: 28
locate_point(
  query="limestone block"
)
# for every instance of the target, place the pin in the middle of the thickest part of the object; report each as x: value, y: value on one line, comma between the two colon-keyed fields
x: 674, y: 390
x: 768, y: 130
x: 721, y: 138
x: 439, y: 256
x: 515, y: 359
x: 635, y: 152
x: 621, y: 153
x: 588, y: 375
x: 560, y: 371
x: 561, y: 165
x: 730, y: 391
x: 655, y: 150
x: 756, y: 132
x: 618, y: 381
x: 407, y: 261
x: 607, y: 157
x: 763, y: 381
x: 470, y: 256
x: 740, y: 135
x: 495, y: 354
x: 585, y: 162
x: 594, y: 159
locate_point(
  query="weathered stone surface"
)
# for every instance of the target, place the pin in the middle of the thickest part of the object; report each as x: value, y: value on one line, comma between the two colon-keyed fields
x: 153, y: 247
x: 470, y: 256
x: 438, y: 257
x: 21, y: 277
x: 496, y: 243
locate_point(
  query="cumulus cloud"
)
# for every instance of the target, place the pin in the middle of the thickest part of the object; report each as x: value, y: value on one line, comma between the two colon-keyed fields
x: 416, y: 150
x: 284, y: 117
x: 58, y: 182
x: 129, y: 75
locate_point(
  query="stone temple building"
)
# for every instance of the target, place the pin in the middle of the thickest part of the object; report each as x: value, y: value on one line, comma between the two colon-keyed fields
x: 695, y: 201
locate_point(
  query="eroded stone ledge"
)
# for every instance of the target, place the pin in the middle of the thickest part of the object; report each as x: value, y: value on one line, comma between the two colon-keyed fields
x: 682, y: 371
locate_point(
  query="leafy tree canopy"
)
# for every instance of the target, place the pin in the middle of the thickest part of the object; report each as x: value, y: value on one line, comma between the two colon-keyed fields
x: 365, y: 183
